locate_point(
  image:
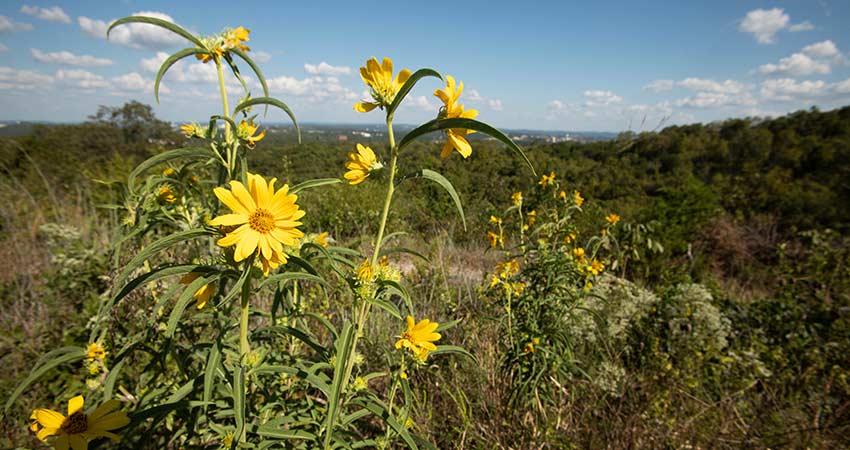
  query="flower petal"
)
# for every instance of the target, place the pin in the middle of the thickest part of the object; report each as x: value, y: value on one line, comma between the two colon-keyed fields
x: 365, y: 106
x: 229, y: 220
x: 112, y: 405
x: 49, y: 418
x: 75, y: 404
x: 460, y: 144
x: 226, y: 197
x: 234, y: 236
x: 247, y: 245
x: 110, y: 421
x: 45, y: 432
x: 243, y: 196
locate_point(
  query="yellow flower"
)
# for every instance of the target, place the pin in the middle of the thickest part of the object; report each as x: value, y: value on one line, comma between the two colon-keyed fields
x: 166, y: 195
x: 546, y: 180
x: 612, y: 219
x: 214, y: 53
x: 563, y: 195
x: 361, y: 164
x: 203, y: 294
x: 452, y: 110
x: 246, y: 131
x: 95, y: 351
x: 569, y: 238
x: 192, y: 130
x: 419, y: 338
x: 517, y: 287
x: 79, y: 428
x: 266, y: 219
x: 495, y: 239
x: 227, y: 441
x: 528, y: 348
x: 365, y: 271
x: 379, y: 78
x: 507, y: 269
x: 168, y: 172
x: 495, y: 220
x: 532, y: 217
x: 603, y: 232
x: 234, y: 38
x: 596, y: 267
x: 577, y: 198
x: 494, y: 280
x: 321, y: 239
x: 516, y: 198
x: 578, y: 252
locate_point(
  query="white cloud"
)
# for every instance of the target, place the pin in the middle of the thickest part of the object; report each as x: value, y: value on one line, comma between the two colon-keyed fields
x: 495, y: 104
x: 3, y: 48
x: 261, y: 56
x: 153, y: 63
x: 474, y: 96
x: 556, y: 105
x: 326, y: 69
x: 802, y: 26
x: 659, y: 86
x: 135, y: 35
x: 14, y: 79
x: 797, y: 64
x: 314, y: 88
x: 81, y: 78
x: 787, y: 89
x: 706, y: 85
x: 8, y: 25
x: 825, y: 49
x: 54, y: 14
x: 842, y: 87
x: 601, y: 98
x: 704, y: 100
x: 134, y: 81
x: 66, y: 57
x: 420, y: 102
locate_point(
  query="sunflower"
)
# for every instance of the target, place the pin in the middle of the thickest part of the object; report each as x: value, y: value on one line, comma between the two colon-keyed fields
x: 612, y: 218
x: 419, y: 338
x: 246, y: 131
x: 361, y: 164
x: 451, y: 110
x: 79, y: 428
x: 265, y: 220
x: 379, y: 78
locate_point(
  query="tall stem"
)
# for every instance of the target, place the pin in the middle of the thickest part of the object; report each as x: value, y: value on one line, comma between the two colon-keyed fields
x: 390, y: 190
x: 245, y: 309
x: 231, y: 156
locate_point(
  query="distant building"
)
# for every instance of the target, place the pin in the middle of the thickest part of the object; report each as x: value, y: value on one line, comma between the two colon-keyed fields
x: 342, y: 138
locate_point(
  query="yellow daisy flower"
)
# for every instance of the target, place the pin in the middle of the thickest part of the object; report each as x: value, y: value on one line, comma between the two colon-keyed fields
x: 516, y: 198
x: 452, y: 110
x: 612, y: 218
x: 165, y: 194
x: 79, y: 428
x: 495, y: 239
x: 95, y: 351
x: 246, y: 131
x: 266, y: 220
x: 321, y: 239
x: 234, y: 38
x: 419, y: 337
x: 379, y: 78
x: 578, y: 198
x: 361, y: 164
x: 203, y: 294
x: 546, y: 180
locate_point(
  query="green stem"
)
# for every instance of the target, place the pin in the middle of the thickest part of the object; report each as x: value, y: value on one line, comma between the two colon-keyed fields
x: 231, y: 154
x: 390, y: 190
x: 244, y: 348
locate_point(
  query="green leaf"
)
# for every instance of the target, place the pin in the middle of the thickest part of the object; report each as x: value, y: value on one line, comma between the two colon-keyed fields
x: 448, y: 325
x: 298, y: 334
x: 303, y: 374
x: 111, y: 378
x: 273, y: 102
x: 467, y: 124
x: 170, y: 26
x: 392, y: 286
x: 343, y: 353
x: 70, y: 355
x: 170, y: 62
x: 213, y: 362
x: 239, y: 400
x: 379, y: 409
x: 254, y: 67
x: 310, y: 184
x: 408, y: 85
x: 449, y: 349
x: 157, y: 247
x: 213, y: 119
x: 157, y: 411
x: 391, y: 250
x: 386, y: 306
x: 190, y: 153
x: 280, y: 433
x: 157, y: 274
x: 447, y: 185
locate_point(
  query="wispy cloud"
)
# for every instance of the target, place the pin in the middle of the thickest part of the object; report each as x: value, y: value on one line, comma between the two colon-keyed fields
x: 326, y: 69
x: 8, y: 25
x: 54, y: 14
x: 135, y: 35
x: 764, y: 24
x: 68, y: 58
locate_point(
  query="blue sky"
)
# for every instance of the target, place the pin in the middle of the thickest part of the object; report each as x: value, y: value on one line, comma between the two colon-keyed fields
x: 608, y: 66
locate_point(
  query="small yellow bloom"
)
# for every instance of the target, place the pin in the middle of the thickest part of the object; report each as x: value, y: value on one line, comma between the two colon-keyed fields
x: 95, y: 351
x: 379, y: 78
x: 79, y: 428
x: 516, y: 198
x: 165, y: 194
x: 596, y: 267
x: 266, y: 220
x: 507, y: 269
x: 528, y: 348
x: 246, y: 131
x: 495, y: 239
x: 532, y: 217
x: 577, y: 198
x: 562, y: 195
x: 227, y: 441
x: 612, y: 218
x: 322, y: 239
x: 361, y: 164
x: 452, y: 110
x: 419, y: 337
x: 168, y: 172
x: 578, y: 252
x: 546, y: 180
x: 193, y: 130
x: 517, y: 287
x: 495, y: 220
x: 234, y: 38
x: 603, y: 232
x: 569, y: 238
x: 494, y: 280
x: 365, y: 271
x: 215, y: 53
x: 203, y: 294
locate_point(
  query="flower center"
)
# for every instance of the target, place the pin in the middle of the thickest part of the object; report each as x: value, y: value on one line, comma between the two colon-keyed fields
x: 261, y: 221
x: 75, y: 423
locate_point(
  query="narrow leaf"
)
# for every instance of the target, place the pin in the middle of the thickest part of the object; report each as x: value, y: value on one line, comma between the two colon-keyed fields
x: 170, y: 62
x: 70, y: 356
x: 467, y: 124
x: 157, y: 247
x: 254, y: 67
x: 447, y: 185
x: 170, y: 26
x: 408, y: 85
x: 273, y: 102
x: 189, y: 153
x: 310, y: 184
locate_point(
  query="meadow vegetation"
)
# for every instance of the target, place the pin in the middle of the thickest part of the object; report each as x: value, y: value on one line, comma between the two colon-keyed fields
x: 686, y: 288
